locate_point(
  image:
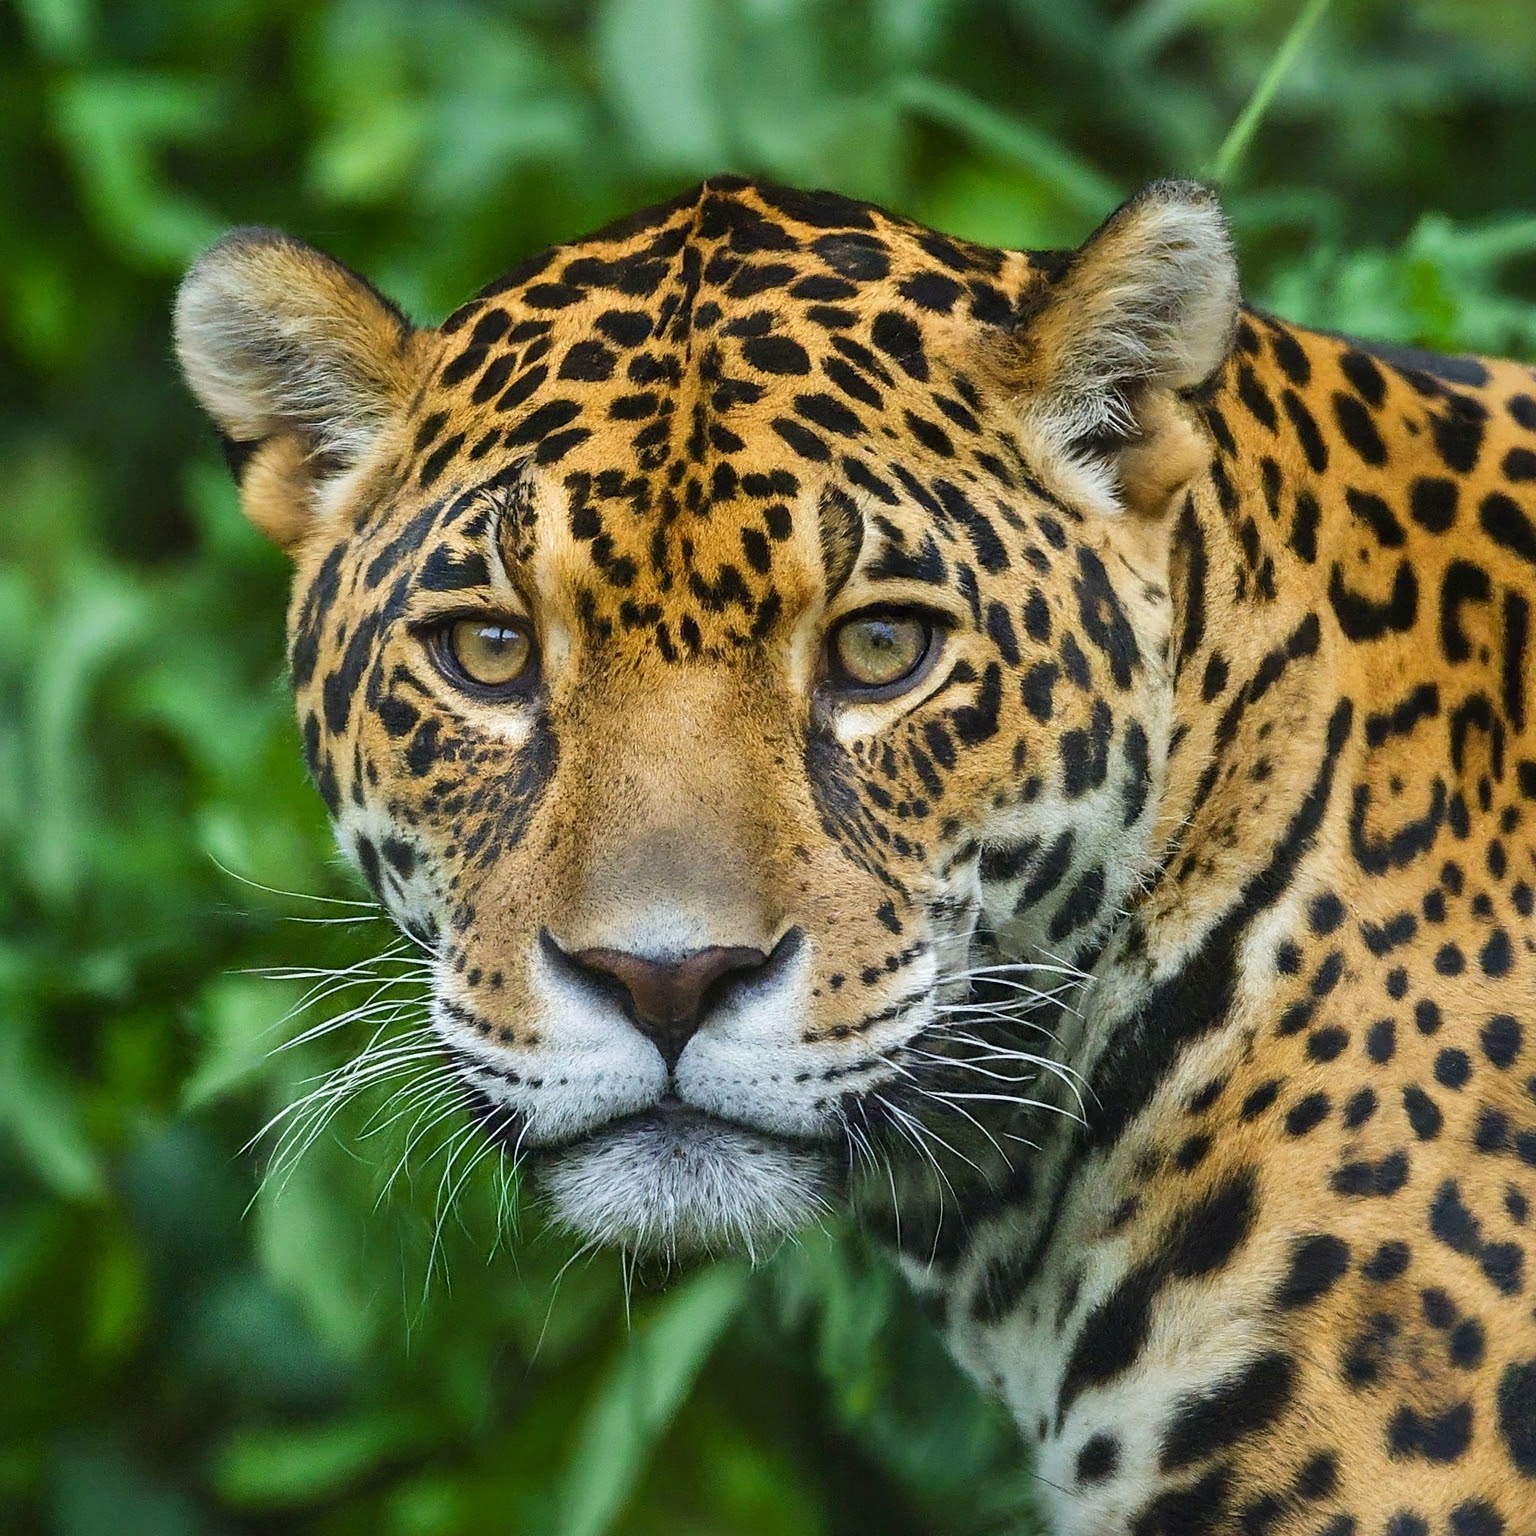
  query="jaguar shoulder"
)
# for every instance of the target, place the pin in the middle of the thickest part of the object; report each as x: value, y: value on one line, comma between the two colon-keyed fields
x: 1013, y: 741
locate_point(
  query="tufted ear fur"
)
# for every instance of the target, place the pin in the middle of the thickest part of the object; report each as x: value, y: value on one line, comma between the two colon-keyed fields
x: 299, y: 362
x: 1143, y: 310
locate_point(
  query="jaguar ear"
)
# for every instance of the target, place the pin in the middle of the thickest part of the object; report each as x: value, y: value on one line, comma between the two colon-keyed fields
x: 299, y: 362
x: 1144, y: 309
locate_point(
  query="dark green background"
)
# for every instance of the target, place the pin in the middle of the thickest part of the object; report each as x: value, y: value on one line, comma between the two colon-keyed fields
x: 182, y: 1352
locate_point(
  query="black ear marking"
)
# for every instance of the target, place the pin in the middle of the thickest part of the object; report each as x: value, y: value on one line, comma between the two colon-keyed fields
x: 237, y: 454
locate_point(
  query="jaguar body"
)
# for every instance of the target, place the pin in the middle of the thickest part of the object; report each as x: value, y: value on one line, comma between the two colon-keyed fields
x: 1015, y: 742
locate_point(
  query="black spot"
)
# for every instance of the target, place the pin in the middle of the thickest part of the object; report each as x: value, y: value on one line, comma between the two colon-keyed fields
x: 1209, y: 1421
x: 1476, y: 1517
x: 1423, y: 1113
x: 1370, y: 1349
x: 1441, y: 1437
x: 1098, y: 1459
x: 1325, y: 914
x: 1260, y: 1099
x: 1365, y: 376
x: 1113, y: 1333
x: 625, y: 327
x: 898, y: 336
x: 1291, y: 356
x: 1362, y: 617
x: 1496, y: 955
x: 1327, y: 1043
x: 1452, y: 1067
x: 804, y: 442
x: 1458, y: 434
x: 1307, y: 434
x: 1079, y: 907
x: 1502, y: 1039
x: 1358, y: 428
x: 1466, y: 1345
x: 776, y: 354
x: 1365, y: 1179
x: 1453, y: 1224
x: 1006, y: 861
x: 1517, y: 1414
x: 1492, y: 1131
x: 1306, y: 1114
x: 1388, y: 1262
x: 1319, y: 1477
x: 1359, y: 1109
x: 1036, y: 688
x: 931, y: 291
x: 1049, y: 873
x: 828, y: 412
x: 438, y: 460
x: 548, y: 418
x: 1303, y: 539
x: 1318, y: 1263
x: 589, y: 362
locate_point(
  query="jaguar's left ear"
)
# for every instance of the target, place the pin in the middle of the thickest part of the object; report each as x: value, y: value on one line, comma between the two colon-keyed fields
x: 1143, y: 311
x: 300, y: 363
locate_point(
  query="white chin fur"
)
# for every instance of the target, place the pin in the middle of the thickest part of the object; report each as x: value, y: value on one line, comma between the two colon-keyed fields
x: 668, y: 1187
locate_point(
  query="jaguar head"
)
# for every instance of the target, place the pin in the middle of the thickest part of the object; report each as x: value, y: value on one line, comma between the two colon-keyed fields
x: 725, y: 643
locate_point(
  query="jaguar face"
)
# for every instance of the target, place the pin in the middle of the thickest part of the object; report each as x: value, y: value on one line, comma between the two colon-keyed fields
x: 722, y: 642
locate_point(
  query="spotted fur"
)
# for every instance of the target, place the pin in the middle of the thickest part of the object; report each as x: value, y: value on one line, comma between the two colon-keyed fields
x: 1233, y: 718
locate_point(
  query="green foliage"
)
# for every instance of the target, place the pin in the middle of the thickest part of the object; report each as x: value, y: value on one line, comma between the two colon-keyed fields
x: 187, y: 1354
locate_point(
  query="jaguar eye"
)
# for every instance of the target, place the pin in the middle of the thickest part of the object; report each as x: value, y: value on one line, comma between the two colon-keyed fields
x: 880, y: 654
x: 490, y: 653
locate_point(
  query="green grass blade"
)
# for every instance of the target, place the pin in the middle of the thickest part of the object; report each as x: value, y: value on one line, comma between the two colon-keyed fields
x: 1235, y: 145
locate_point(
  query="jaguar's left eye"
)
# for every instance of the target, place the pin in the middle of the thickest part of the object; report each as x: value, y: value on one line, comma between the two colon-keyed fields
x: 492, y: 654
x: 877, y: 655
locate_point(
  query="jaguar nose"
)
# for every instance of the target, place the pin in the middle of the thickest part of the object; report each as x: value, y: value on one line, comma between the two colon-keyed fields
x: 667, y: 998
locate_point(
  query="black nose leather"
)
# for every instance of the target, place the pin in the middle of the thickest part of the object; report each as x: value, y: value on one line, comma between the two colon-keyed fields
x: 667, y: 998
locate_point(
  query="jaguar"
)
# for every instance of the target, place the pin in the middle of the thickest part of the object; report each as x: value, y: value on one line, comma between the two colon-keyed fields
x: 1018, y: 744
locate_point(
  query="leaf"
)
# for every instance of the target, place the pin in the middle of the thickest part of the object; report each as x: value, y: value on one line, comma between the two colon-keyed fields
x: 657, y: 59
x: 91, y: 625
x: 113, y: 126
x: 1077, y: 182
x: 236, y: 1017
x: 43, y: 1117
x: 278, y: 1468
x: 310, y: 1240
x: 98, y: 1491
x: 636, y: 1401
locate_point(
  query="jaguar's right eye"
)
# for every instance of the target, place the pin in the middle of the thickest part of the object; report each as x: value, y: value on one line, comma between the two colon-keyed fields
x: 485, y: 655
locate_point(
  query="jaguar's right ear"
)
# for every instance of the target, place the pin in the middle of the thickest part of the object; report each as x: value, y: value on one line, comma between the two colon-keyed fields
x: 299, y: 362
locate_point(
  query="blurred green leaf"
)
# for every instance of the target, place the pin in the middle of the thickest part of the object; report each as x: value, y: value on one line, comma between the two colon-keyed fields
x: 659, y: 61
x: 114, y: 126
x: 98, y: 1491
x: 38, y: 1110
x: 280, y: 1468
x: 638, y: 1397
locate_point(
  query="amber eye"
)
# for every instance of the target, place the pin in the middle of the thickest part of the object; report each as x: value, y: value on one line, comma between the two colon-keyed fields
x: 879, y: 654
x: 490, y: 653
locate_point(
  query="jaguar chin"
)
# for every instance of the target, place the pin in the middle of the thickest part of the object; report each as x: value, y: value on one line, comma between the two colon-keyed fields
x: 675, y: 1181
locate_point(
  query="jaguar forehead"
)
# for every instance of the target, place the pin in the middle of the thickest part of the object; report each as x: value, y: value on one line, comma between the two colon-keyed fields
x: 703, y: 379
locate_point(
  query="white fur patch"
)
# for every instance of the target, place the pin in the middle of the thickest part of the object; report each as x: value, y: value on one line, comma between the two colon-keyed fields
x: 679, y: 1183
